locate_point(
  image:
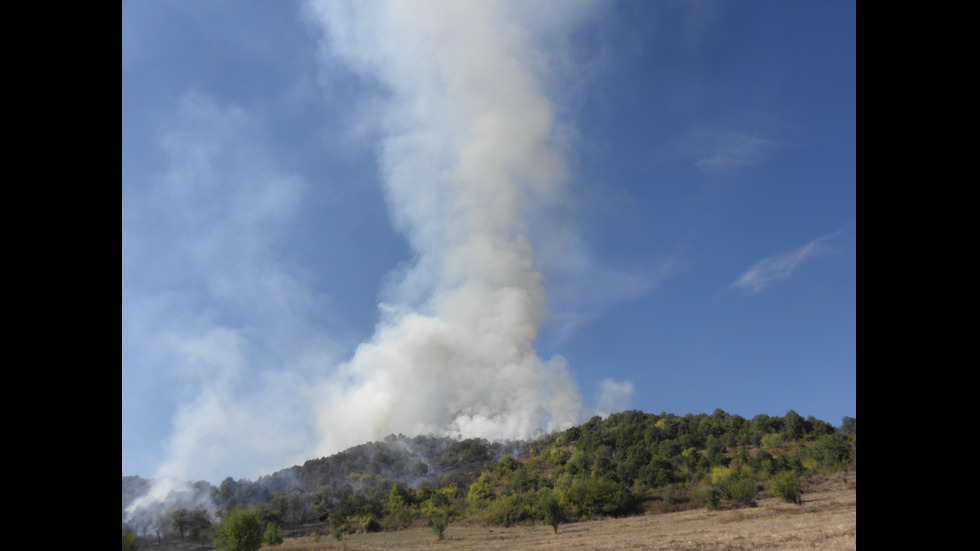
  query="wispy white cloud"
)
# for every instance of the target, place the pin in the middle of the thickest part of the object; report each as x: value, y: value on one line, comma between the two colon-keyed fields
x: 586, y: 290
x: 778, y: 266
x: 730, y: 150
x: 718, y: 148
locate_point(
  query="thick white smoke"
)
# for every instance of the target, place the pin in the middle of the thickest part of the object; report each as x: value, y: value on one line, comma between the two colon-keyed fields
x: 466, y: 138
x: 466, y: 150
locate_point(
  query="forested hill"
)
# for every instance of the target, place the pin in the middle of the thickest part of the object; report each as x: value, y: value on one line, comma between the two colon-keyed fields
x: 353, y: 479
x: 605, y: 466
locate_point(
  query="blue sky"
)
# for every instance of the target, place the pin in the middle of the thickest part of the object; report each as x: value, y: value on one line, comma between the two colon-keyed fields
x: 343, y: 220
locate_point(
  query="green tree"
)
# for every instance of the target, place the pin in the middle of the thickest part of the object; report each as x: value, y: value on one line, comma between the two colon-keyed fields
x: 552, y: 511
x: 762, y: 463
x: 507, y: 463
x: 832, y: 451
x: 199, y: 524
x: 240, y: 530
x: 480, y: 492
x: 819, y: 428
x: 658, y: 472
x: 227, y: 492
x: 438, y: 510
x: 280, y: 503
x: 793, y: 426
x: 401, y: 500
x: 178, y: 519
x: 715, y: 451
x: 578, y: 463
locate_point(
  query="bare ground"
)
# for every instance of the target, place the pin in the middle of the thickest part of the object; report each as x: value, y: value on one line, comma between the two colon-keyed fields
x: 827, y: 519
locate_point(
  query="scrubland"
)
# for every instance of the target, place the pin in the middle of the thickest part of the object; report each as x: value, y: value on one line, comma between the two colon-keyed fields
x: 826, y: 519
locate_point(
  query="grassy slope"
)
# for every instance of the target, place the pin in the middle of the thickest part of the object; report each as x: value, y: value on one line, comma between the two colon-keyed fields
x: 827, y: 519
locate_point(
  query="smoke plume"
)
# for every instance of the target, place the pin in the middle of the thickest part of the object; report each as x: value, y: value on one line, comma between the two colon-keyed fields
x: 465, y: 140
x: 454, y: 102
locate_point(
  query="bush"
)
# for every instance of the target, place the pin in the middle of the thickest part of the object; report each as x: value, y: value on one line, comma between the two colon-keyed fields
x: 239, y: 531
x: 593, y: 497
x: 129, y: 542
x: 338, y: 525
x: 742, y: 492
x: 832, y: 451
x: 669, y: 495
x: 370, y: 524
x: 721, y: 474
x: 510, y: 510
x: 712, y: 497
x: 784, y: 484
x: 272, y: 535
x: 439, y: 522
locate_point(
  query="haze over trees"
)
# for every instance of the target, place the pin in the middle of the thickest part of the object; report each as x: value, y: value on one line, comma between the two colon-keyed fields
x: 620, y: 465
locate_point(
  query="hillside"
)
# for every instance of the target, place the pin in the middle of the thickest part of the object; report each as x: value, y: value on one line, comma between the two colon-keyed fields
x: 630, y: 464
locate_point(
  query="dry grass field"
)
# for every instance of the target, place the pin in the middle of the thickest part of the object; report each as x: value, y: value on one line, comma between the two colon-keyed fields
x: 827, y: 519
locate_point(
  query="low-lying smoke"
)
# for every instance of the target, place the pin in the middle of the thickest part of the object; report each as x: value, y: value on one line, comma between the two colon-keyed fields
x: 147, y: 514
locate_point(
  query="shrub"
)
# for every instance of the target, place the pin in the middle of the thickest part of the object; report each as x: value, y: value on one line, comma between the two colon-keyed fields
x: 370, y: 524
x: 439, y: 522
x: 669, y: 495
x: 742, y: 492
x: 712, y: 497
x: 721, y: 474
x: 509, y: 510
x: 272, y: 535
x: 593, y: 497
x: 129, y: 542
x: 832, y: 451
x: 239, y: 531
x: 338, y: 525
x: 784, y: 484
